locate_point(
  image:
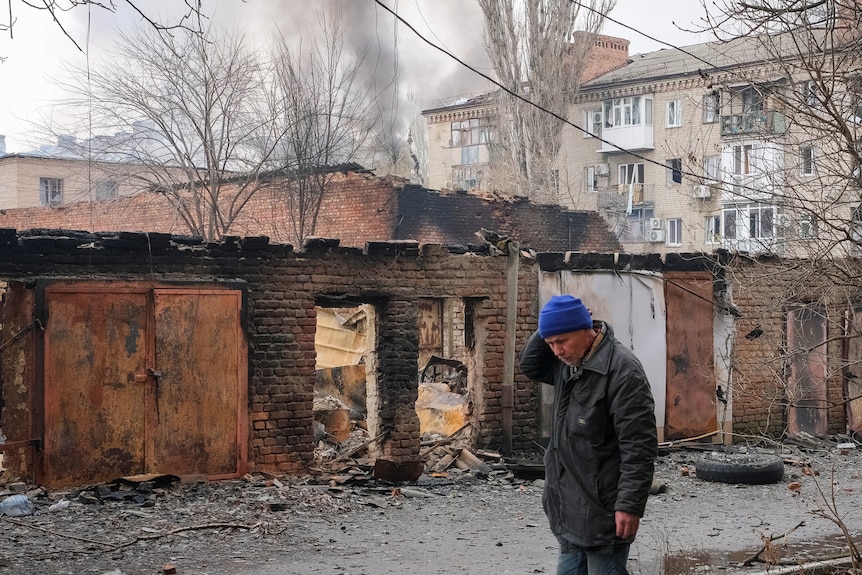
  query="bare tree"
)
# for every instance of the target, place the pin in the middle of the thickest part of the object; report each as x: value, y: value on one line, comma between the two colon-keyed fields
x: 537, y: 56
x: 196, y: 109
x: 792, y: 132
x: 328, y: 119
x: 56, y: 8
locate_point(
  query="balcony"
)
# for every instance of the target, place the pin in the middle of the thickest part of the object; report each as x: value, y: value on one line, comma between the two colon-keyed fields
x: 753, y: 123
x: 627, y: 138
x: 616, y: 198
x: 753, y: 187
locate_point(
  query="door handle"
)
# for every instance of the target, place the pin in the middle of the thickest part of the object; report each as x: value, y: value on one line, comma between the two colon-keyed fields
x: 145, y: 377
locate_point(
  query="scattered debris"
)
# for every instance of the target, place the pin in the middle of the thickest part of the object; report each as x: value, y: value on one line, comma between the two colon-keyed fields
x: 16, y: 506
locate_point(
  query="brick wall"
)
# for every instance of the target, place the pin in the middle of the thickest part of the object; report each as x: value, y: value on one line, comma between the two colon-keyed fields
x: 283, y: 288
x: 764, y: 290
x: 357, y: 206
x: 607, y: 53
x: 455, y: 217
x: 356, y: 209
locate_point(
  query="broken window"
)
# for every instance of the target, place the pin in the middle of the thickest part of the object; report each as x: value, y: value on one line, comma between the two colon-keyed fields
x: 674, y: 171
x: 50, y: 191
x: 711, y: 107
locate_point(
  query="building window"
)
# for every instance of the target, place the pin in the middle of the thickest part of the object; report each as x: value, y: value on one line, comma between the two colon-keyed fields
x: 674, y: 171
x: 634, y: 226
x: 761, y: 222
x: 807, y: 160
x: 674, y: 232
x: 467, y: 177
x: 50, y: 191
x: 590, y: 179
x: 674, y: 114
x: 807, y: 227
x: 745, y: 159
x: 106, y: 191
x: 631, y: 174
x: 622, y: 112
x: 469, y: 155
x: 810, y: 93
x: 713, y: 230
x: 712, y: 169
x: 592, y: 123
x: 748, y: 226
x: 711, y: 107
x: 470, y: 132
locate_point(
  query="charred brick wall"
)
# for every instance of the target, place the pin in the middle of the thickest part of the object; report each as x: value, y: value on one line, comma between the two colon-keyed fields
x: 357, y: 208
x: 284, y: 286
x: 455, y: 217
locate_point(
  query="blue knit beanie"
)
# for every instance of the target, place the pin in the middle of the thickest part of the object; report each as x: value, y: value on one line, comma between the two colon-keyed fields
x: 562, y: 314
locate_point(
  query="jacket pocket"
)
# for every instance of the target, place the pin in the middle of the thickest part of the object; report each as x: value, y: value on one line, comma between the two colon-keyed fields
x: 588, y: 422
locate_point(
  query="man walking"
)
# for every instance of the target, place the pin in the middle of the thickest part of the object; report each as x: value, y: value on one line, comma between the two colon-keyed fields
x: 601, y: 457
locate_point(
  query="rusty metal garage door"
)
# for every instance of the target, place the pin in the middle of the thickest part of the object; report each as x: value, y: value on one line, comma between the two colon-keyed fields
x: 807, y: 379
x: 142, y: 380
x: 690, y: 410
x: 853, y: 370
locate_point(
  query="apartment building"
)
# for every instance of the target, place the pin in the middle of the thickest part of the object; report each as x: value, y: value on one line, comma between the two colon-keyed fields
x: 28, y: 180
x: 459, y: 142
x: 461, y: 133
x: 71, y: 171
x: 721, y: 145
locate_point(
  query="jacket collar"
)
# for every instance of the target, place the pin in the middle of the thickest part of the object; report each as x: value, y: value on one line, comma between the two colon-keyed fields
x: 598, y: 359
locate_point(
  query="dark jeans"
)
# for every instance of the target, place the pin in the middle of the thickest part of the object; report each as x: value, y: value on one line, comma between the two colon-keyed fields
x: 602, y: 561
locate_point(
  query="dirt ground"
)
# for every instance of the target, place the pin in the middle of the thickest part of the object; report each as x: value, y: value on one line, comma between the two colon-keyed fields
x: 463, y: 523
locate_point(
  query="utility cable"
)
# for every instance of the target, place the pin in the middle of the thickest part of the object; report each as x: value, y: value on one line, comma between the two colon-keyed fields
x: 566, y: 121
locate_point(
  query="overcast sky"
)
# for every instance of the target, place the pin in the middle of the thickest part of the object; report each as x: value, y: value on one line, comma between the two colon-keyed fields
x: 34, y: 55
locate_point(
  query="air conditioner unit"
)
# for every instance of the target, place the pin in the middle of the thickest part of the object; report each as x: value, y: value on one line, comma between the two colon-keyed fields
x: 656, y: 224
x: 701, y: 192
x: 602, y: 169
x: 655, y: 236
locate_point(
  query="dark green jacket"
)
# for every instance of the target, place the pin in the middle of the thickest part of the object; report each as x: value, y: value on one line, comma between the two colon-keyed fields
x: 602, y: 450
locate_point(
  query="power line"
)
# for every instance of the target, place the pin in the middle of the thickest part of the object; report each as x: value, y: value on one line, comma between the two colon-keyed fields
x: 517, y: 96
x: 690, y: 175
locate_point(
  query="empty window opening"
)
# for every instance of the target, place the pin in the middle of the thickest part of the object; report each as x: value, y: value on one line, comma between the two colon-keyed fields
x: 344, y: 379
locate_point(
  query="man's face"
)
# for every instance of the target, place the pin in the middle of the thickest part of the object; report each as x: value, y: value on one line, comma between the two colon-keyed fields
x: 571, y: 347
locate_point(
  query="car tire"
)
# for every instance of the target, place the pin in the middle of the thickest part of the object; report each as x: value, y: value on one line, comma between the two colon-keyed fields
x: 746, y: 468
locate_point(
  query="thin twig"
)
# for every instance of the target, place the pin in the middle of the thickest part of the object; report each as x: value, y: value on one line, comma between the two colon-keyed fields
x: 187, y: 528
x: 768, y: 541
x: 57, y: 533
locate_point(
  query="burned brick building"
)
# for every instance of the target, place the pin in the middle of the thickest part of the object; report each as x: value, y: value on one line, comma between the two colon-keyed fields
x: 133, y: 353
x: 125, y: 353
x: 357, y: 207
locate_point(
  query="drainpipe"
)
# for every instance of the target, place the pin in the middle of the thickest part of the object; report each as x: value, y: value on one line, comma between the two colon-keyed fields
x: 507, y: 392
